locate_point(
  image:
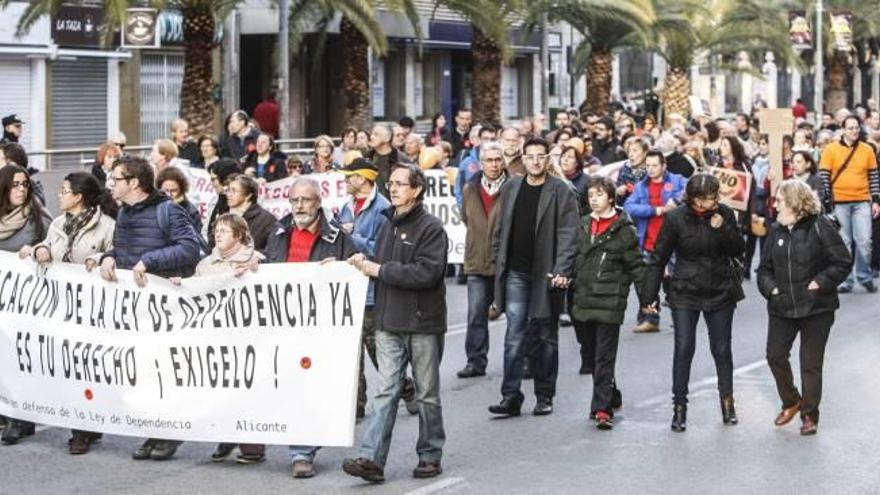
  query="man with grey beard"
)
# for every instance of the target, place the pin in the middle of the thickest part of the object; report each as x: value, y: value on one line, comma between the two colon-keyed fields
x: 306, y: 235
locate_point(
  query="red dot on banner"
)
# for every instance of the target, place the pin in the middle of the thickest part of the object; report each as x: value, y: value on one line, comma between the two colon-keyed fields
x: 89, y: 395
x: 306, y: 363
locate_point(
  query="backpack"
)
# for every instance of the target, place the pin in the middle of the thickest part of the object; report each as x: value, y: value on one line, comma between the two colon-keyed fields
x: 163, y: 215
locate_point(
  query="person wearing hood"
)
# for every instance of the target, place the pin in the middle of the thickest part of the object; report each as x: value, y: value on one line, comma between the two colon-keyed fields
x: 608, y: 261
x: 80, y: 235
x: 154, y: 236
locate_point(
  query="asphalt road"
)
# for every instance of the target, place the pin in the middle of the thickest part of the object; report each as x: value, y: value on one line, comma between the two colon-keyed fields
x: 563, y: 452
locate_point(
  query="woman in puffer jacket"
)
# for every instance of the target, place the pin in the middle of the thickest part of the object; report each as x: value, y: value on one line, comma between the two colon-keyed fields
x: 804, y: 261
x: 80, y: 235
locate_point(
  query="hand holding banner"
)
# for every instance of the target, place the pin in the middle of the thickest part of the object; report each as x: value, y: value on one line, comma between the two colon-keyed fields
x: 271, y: 357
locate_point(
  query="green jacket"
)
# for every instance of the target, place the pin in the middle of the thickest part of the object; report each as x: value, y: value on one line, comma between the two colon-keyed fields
x: 604, y: 269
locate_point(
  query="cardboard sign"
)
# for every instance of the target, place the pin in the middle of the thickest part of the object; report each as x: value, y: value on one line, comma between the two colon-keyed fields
x: 735, y: 188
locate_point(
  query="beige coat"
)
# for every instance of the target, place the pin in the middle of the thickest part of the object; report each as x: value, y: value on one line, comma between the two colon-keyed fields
x: 213, y: 264
x: 93, y: 240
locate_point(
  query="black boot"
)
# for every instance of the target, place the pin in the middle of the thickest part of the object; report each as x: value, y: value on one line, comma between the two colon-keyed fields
x: 679, y: 417
x: 507, y: 407
x: 728, y: 411
x: 16, y: 430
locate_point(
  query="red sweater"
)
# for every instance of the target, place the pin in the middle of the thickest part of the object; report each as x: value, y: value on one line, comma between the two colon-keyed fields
x: 301, y: 242
x: 487, y: 200
x: 599, y: 226
x: 655, y: 199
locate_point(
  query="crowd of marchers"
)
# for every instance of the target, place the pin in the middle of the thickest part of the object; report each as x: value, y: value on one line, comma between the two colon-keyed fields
x: 561, y: 225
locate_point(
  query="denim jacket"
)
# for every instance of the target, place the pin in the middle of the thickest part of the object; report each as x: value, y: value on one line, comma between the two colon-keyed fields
x: 366, y: 228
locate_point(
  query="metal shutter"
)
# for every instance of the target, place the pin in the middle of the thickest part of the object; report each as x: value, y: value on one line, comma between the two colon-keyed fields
x: 161, y: 78
x: 15, y: 97
x: 78, y: 112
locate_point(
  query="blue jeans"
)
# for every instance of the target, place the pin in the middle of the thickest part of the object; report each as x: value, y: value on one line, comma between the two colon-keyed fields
x: 720, y: 325
x: 537, y: 339
x: 303, y: 453
x: 855, y: 228
x: 393, y: 352
x: 476, y: 344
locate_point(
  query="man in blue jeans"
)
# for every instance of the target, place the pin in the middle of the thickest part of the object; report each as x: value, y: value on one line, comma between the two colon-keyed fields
x: 535, y: 246
x: 410, y: 318
x: 848, y: 169
x: 480, y: 213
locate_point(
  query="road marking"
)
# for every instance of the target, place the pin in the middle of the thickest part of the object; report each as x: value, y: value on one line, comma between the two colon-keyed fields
x: 437, y: 486
x: 661, y: 399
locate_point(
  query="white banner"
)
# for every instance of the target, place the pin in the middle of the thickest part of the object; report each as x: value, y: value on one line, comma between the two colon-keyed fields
x: 271, y: 357
x: 440, y: 202
x: 275, y: 197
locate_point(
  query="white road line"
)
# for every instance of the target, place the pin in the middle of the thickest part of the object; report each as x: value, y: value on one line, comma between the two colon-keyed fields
x: 664, y: 398
x: 437, y: 486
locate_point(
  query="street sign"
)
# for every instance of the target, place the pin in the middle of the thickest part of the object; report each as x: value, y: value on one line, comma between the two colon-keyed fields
x: 141, y: 28
x: 77, y: 25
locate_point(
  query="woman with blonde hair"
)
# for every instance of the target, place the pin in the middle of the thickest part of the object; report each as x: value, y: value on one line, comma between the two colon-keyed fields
x: 803, y: 263
x: 322, y: 161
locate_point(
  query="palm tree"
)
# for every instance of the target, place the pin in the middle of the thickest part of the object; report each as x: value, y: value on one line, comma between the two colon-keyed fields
x: 687, y: 29
x: 359, y: 31
x: 625, y: 24
x: 491, y: 48
x: 200, y: 18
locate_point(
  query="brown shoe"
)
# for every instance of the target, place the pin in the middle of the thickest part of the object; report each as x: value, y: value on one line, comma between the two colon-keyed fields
x: 365, y: 469
x: 427, y: 470
x: 303, y: 469
x: 808, y: 426
x: 787, y: 414
x: 78, y: 444
x: 646, y: 327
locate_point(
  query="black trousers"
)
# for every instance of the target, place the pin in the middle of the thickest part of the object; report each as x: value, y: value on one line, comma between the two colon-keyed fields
x: 601, y: 339
x: 720, y: 324
x: 814, y: 331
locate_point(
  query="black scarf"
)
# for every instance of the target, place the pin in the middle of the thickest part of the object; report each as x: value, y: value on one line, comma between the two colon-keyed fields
x: 73, y: 226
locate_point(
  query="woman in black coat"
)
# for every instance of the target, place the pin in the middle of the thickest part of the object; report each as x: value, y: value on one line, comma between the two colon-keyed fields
x: 804, y: 261
x: 707, y: 242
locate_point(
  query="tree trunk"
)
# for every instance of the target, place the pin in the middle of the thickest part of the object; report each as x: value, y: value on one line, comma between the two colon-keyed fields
x: 838, y: 76
x: 486, y: 90
x: 355, y: 76
x: 676, y: 92
x: 599, y: 74
x: 196, y: 99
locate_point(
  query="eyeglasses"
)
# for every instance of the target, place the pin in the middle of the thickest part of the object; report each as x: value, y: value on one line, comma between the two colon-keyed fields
x: 222, y: 230
x: 534, y: 158
x: 21, y: 184
x: 396, y: 184
x: 304, y: 201
x: 124, y: 178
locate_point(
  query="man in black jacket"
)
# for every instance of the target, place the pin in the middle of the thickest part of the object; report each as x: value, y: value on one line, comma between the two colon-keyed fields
x: 410, y: 313
x: 606, y: 147
x: 301, y: 236
x: 535, y: 245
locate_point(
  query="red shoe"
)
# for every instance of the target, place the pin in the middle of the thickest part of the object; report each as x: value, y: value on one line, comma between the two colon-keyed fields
x: 604, y: 421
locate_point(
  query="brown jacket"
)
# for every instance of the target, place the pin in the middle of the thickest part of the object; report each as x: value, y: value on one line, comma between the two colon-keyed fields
x: 478, y: 240
x: 515, y: 167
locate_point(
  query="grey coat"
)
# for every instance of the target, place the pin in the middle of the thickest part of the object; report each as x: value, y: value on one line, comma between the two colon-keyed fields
x: 556, y: 243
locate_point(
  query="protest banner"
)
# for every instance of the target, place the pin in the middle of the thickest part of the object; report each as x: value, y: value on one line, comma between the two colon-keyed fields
x: 735, y: 188
x: 440, y: 202
x: 275, y: 197
x: 271, y: 357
